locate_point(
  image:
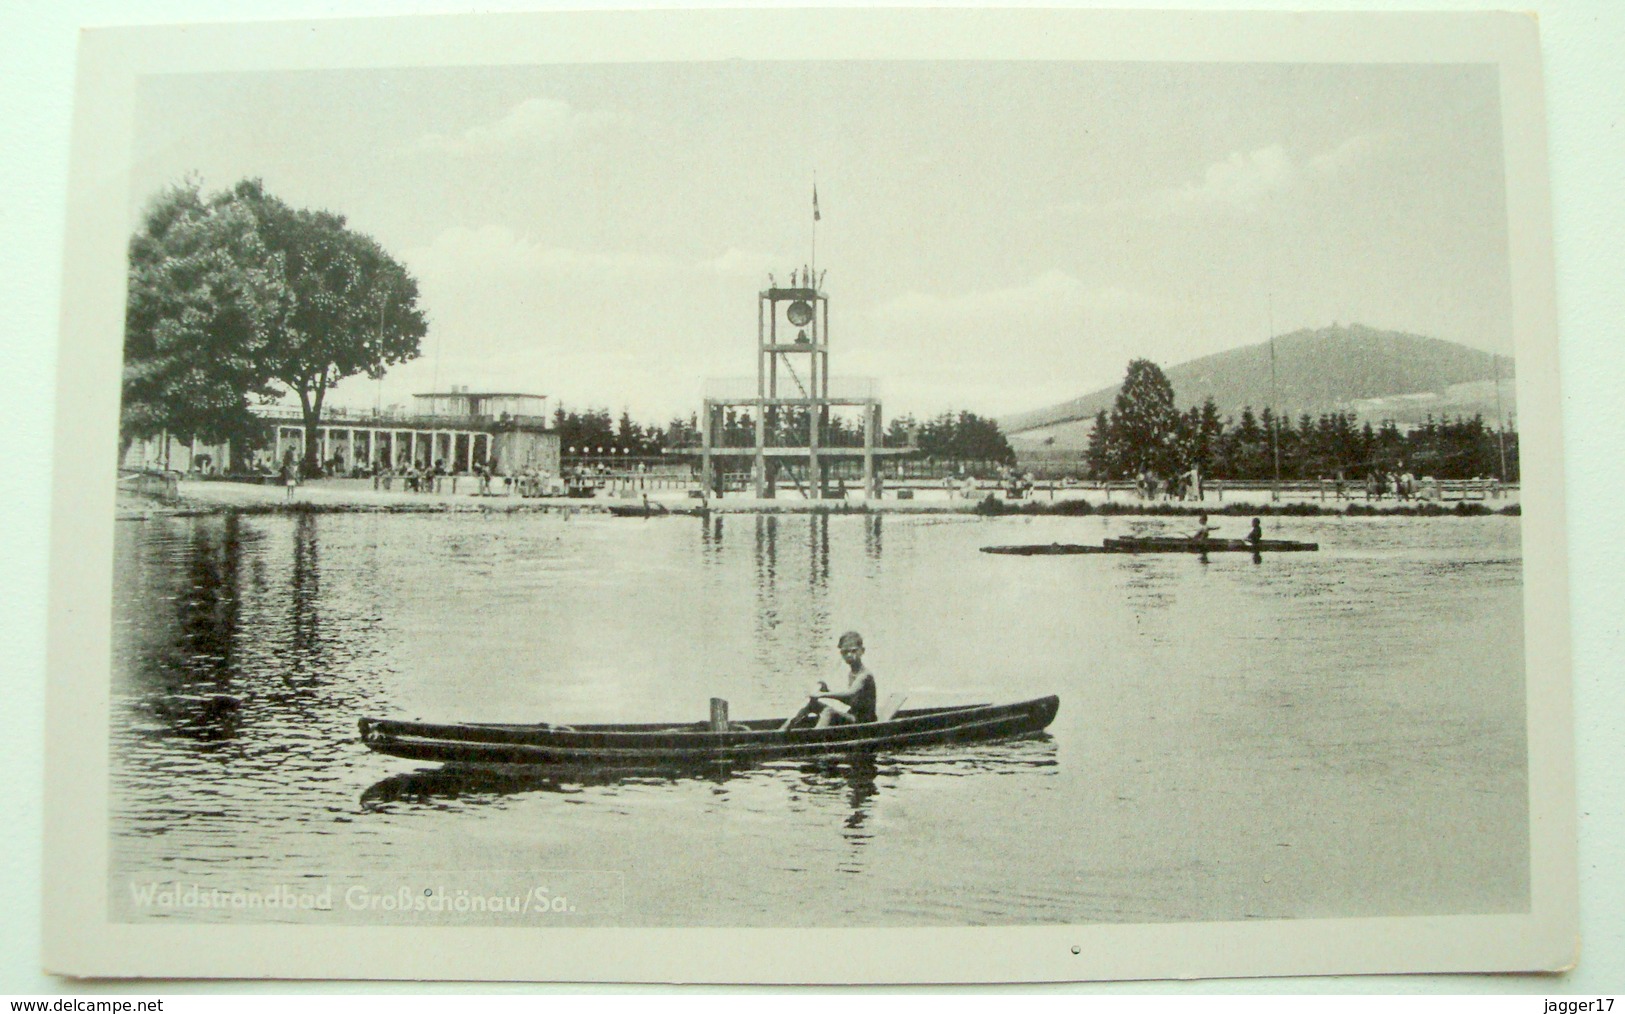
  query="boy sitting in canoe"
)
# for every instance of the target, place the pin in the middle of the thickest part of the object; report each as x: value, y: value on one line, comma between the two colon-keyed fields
x: 855, y: 703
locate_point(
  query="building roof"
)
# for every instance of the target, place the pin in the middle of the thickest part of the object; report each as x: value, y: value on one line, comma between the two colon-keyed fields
x: 478, y: 394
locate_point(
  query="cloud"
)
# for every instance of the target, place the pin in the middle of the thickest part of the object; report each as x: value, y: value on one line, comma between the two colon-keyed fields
x: 1240, y: 181
x: 1052, y: 293
x: 1347, y: 157
x: 1245, y: 182
x: 532, y: 123
x: 497, y: 253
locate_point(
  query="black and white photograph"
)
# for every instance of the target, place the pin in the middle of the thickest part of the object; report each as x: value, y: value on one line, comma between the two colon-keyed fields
x: 987, y: 488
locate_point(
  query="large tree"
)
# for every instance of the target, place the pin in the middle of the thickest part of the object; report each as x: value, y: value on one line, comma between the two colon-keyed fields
x: 348, y: 308
x: 1143, y: 428
x: 200, y: 307
x: 239, y: 296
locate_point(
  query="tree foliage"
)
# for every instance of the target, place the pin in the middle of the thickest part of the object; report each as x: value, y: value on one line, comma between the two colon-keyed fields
x: 239, y: 296
x: 201, y: 306
x: 348, y: 308
x: 964, y: 436
x: 1142, y: 432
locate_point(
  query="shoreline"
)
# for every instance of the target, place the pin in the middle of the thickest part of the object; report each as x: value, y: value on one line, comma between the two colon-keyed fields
x: 141, y: 507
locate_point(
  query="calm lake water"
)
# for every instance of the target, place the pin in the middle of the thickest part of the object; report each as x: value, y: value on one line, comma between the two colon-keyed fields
x: 1314, y: 735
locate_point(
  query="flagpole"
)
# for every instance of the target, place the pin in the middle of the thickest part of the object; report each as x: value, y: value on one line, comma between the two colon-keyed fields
x: 813, y: 267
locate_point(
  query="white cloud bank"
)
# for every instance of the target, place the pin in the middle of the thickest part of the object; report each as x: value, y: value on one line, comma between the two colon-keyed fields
x: 532, y: 123
x: 1246, y: 182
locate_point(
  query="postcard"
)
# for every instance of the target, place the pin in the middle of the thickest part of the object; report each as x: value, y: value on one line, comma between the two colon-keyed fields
x: 816, y: 496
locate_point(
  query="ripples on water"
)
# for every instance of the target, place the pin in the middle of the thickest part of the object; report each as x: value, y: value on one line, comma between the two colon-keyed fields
x: 1330, y: 734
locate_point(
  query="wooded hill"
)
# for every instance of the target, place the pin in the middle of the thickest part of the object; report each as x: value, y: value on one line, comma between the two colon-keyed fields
x: 1379, y: 375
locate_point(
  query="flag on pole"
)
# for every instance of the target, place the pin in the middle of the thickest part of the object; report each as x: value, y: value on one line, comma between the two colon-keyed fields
x: 816, y: 216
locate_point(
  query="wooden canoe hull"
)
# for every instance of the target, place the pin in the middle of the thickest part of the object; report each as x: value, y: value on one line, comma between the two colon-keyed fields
x: 1047, y: 549
x: 1179, y: 544
x: 639, y: 511
x: 631, y: 745
x: 1157, y: 545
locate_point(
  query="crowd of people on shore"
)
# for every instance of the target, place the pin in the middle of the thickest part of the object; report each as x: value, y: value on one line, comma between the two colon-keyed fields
x: 1379, y: 484
x: 436, y: 477
x: 532, y: 481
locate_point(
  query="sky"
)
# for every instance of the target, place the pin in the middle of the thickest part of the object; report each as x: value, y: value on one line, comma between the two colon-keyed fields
x: 997, y: 236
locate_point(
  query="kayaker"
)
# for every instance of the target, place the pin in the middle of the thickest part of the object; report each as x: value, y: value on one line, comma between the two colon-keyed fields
x: 1203, y: 530
x: 854, y: 703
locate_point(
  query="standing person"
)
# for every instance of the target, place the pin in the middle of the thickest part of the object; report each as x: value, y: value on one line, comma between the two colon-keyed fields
x: 1255, y: 534
x: 290, y: 474
x: 854, y: 703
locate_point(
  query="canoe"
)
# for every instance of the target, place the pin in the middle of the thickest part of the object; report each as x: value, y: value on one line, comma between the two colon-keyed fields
x: 1181, y: 544
x: 630, y: 745
x: 652, y: 511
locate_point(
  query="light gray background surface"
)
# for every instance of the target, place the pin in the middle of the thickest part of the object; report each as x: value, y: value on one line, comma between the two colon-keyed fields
x: 1584, y: 80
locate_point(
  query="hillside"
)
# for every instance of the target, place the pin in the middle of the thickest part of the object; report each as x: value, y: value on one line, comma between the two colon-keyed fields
x: 1376, y: 374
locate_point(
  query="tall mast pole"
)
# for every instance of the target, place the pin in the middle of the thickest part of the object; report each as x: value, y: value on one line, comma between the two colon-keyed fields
x: 1500, y: 418
x: 1275, y: 410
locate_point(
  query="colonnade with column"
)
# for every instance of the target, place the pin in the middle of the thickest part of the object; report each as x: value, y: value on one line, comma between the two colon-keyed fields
x: 460, y: 450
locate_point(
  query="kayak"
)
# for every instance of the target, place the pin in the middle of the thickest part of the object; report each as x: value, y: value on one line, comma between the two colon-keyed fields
x: 652, y: 511
x: 1181, y: 544
x: 627, y: 745
x: 1157, y: 544
x: 1047, y: 549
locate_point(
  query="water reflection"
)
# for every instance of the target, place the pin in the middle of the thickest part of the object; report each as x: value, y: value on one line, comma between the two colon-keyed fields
x: 852, y: 776
x: 711, y: 536
x: 437, y: 786
x: 304, y: 617
x: 767, y: 552
x: 818, y: 551
x: 852, y: 786
x: 187, y: 687
x: 241, y: 671
x: 792, y: 618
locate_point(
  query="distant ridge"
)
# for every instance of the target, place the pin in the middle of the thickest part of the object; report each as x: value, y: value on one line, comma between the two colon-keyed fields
x: 1375, y: 374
